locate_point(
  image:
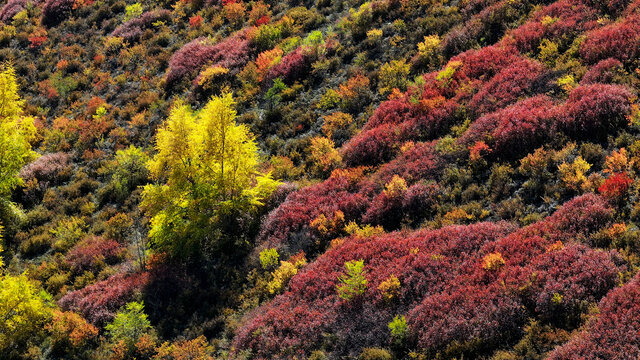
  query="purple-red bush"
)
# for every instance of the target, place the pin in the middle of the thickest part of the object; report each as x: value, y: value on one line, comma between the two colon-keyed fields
x: 12, y: 7
x: 484, y: 314
x: 291, y: 67
x: 372, y: 146
x: 423, y: 262
x: 570, y: 19
x: 487, y: 61
x: 133, y: 29
x: 231, y: 53
x: 46, y: 168
x: 603, y: 72
x: 506, y: 86
x: 568, y: 277
x: 287, y: 227
x: 614, y: 334
x: 417, y: 162
x: 87, y: 254
x: 593, y: 111
x: 419, y: 200
x: 99, y: 302
x: 518, y: 128
x: 449, y: 297
x: 618, y: 40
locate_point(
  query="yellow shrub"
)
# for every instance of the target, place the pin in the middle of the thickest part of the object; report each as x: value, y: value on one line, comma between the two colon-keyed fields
x: 493, y: 261
x: 390, y: 287
x: 573, y: 174
x: 396, y: 187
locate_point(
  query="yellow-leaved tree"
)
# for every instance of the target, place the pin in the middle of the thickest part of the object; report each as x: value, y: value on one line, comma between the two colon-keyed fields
x: 207, y: 180
x: 16, y: 133
x: 24, y: 307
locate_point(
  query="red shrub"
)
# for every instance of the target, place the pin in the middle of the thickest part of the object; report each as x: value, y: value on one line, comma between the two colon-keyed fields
x: 566, y: 278
x: 99, y: 302
x: 292, y: 66
x: 614, y: 334
x: 576, y: 219
x: 287, y: 226
x: 393, y: 111
x: 231, y: 53
x: 570, y: 20
x: 372, y: 146
x: 91, y: 251
x: 618, y: 40
x: 487, y: 61
x: 294, y: 322
x: 602, y: 72
x: 195, y: 21
x: 506, y: 86
x: 419, y: 200
x: 519, y: 128
x: 593, y: 111
x: 133, y: 29
x: 616, y: 186
x: 445, y: 291
x: 418, y: 162
x: 480, y: 313
x: 461, y: 37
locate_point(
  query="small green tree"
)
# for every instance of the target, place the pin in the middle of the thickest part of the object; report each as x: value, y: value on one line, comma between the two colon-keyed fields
x: 129, y: 325
x: 353, y: 283
x: 399, y: 329
x: 132, y: 11
x: 269, y: 258
x: 274, y: 94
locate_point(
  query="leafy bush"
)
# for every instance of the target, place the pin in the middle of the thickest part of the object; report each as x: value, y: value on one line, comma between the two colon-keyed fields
x: 133, y: 28
x: 593, y: 111
x: 615, y: 40
x: 129, y: 325
x: 91, y: 252
x: 132, y: 11
x: 99, y: 302
x: 269, y: 258
x: 231, y: 53
x: 353, y: 283
x: 13, y: 7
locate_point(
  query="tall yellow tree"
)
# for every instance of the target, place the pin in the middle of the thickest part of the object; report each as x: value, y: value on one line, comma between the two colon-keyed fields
x: 24, y: 307
x: 16, y: 133
x: 206, y: 172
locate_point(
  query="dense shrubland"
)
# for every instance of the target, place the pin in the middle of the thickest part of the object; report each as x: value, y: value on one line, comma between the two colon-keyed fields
x: 319, y: 179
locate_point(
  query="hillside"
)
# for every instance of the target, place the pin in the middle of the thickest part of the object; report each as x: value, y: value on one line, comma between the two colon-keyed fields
x: 391, y: 179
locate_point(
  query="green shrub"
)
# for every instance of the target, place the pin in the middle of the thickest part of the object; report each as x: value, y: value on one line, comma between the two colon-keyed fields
x: 399, y: 329
x: 269, y: 258
x: 132, y: 11
x: 353, y: 283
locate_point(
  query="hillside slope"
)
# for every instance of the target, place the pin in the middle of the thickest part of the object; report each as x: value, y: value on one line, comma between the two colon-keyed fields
x: 455, y: 179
